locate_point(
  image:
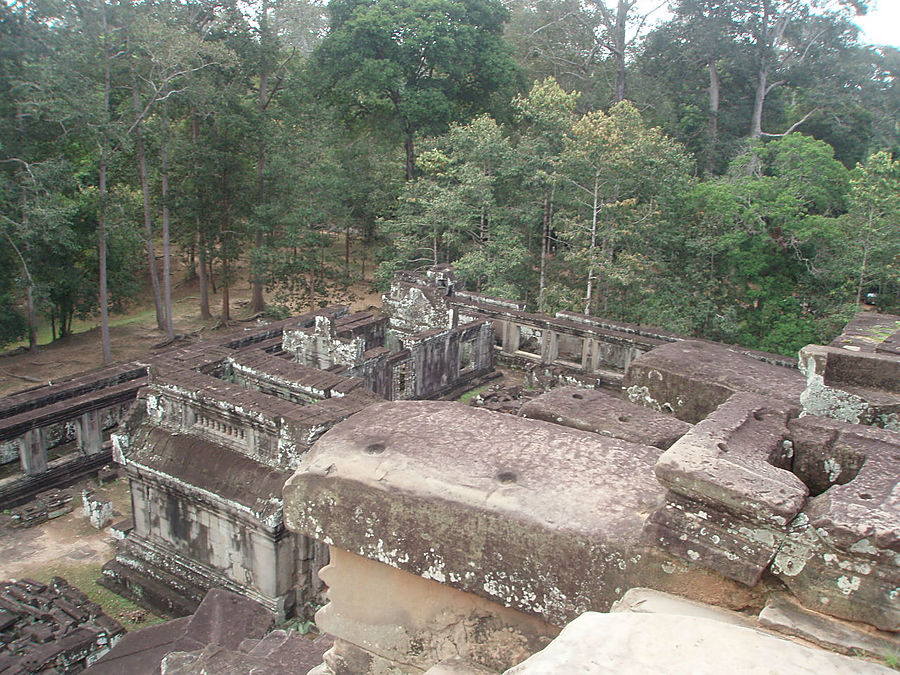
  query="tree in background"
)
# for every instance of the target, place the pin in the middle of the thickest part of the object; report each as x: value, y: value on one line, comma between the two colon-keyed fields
x: 414, y: 66
x: 874, y: 220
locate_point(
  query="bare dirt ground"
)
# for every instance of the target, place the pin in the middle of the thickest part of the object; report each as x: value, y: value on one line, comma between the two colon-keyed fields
x: 134, y: 332
x: 71, y: 548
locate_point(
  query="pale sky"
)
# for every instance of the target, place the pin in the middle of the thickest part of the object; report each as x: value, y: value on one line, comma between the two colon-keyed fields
x: 881, y: 26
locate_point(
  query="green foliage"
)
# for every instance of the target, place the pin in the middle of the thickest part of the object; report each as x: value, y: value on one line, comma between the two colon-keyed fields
x: 416, y: 65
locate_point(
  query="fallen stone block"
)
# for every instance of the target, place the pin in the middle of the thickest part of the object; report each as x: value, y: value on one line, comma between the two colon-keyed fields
x: 690, y: 379
x: 606, y: 414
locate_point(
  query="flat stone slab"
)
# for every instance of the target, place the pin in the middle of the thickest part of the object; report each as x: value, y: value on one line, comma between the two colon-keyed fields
x: 649, y: 601
x: 606, y: 414
x: 623, y: 643
x: 529, y: 514
x: 690, y: 379
x: 783, y: 616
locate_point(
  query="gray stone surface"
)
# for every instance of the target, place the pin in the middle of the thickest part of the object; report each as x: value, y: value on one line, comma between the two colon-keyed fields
x: 787, y: 617
x: 730, y: 493
x: 841, y: 557
x: 852, y: 385
x: 690, y: 379
x: 606, y: 414
x: 626, y: 644
x: 551, y: 515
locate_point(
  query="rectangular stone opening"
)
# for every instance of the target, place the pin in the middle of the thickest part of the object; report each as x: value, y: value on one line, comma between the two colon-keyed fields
x: 466, y: 349
x: 570, y: 350
x: 530, y: 340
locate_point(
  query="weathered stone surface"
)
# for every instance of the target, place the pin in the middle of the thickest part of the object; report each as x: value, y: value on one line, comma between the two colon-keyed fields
x: 841, y: 557
x: 623, y: 643
x: 869, y: 332
x: 223, y: 619
x: 551, y: 514
x: 785, y: 616
x: 860, y: 387
x: 605, y: 414
x: 383, y: 615
x: 649, y: 601
x: 690, y: 379
x: 730, y: 492
x: 458, y: 666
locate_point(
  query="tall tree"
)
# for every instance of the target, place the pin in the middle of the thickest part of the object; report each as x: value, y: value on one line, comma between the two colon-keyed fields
x: 414, y: 66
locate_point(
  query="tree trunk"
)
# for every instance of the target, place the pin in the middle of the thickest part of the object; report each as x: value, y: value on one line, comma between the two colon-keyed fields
x: 257, y: 299
x: 595, y: 210
x: 410, y: 155
x: 225, y: 234
x: 758, y: 102
x: 544, y: 230
x: 203, y: 265
x: 164, y: 188
x: 205, y: 314
x: 101, y: 220
x: 148, y: 222
x: 712, y: 129
x: 619, y: 49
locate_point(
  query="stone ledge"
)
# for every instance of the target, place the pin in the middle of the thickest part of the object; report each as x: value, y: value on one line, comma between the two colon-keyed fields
x: 691, y: 379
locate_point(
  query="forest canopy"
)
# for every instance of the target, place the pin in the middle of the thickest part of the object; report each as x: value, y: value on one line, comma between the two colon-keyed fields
x: 730, y: 172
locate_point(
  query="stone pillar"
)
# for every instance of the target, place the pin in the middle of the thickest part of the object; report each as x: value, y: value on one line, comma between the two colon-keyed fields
x: 587, y: 361
x: 89, y: 432
x: 510, y: 337
x: 549, y: 346
x: 33, y: 452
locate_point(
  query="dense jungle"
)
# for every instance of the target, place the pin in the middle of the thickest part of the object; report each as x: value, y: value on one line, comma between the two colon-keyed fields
x: 717, y: 168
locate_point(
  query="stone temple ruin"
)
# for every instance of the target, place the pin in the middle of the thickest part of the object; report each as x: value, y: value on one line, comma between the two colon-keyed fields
x: 691, y: 489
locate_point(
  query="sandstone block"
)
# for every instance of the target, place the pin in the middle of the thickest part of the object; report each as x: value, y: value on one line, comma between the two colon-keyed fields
x: 730, y: 493
x: 606, y: 414
x: 690, y: 379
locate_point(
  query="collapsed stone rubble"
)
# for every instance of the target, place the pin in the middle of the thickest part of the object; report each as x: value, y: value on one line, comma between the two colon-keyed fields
x: 51, y: 628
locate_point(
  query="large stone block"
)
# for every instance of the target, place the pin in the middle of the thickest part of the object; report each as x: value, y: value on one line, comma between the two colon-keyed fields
x: 843, y: 553
x: 731, y: 494
x: 853, y: 386
x: 603, y: 413
x: 690, y: 379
